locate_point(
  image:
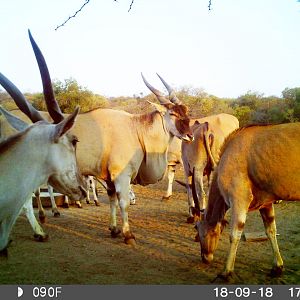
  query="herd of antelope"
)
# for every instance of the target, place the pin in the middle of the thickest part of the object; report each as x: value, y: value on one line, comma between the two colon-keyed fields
x: 247, y: 168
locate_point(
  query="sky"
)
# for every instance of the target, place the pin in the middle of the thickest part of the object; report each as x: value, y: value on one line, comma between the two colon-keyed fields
x: 237, y: 46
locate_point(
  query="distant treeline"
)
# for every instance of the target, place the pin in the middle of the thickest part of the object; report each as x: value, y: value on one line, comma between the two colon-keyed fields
x: 252, y: 107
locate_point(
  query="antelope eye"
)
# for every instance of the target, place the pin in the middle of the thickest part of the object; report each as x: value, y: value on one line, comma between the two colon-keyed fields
x: 74, y: 141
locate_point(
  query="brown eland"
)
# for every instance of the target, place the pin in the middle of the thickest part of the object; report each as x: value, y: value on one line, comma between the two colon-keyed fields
x: 258, y: 165
x: 220, y: 126
x: 199, y: 160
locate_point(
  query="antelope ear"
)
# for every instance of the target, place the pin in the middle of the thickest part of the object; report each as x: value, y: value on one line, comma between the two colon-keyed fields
x: 14, y: 121
x: 160, y: 108
x: 65, y: 125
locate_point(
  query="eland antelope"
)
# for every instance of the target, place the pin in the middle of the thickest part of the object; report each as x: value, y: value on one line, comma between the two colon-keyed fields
x: 118, y: 147
x: 228, y: 123
x: 199, y: 160
x: 201, y: 157
x: 5, y: 132
x: 91, y: 185
x: 11, y: 125
x: 258, y: 165
x: 41, y: 153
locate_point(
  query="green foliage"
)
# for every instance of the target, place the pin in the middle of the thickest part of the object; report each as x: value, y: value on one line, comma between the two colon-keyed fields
x: 70, y: 94
x: 202, y: 104
x: 292, y: 97
x: 269, y: 110
x: 37, y: 101
x: 291, y: 94
x: 250, y: 108
x: 132, y: 105
x: 6, y: 102
x: 250, y: 99
x: 289, y: 115
x: 243, y: 113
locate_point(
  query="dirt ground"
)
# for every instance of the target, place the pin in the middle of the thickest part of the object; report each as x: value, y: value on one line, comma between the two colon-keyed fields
x: 81, y: 251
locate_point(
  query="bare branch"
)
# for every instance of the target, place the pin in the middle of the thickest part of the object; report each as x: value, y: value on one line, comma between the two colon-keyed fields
x: 130, y: 5
x: 209, y: 5
x: 73, y: 16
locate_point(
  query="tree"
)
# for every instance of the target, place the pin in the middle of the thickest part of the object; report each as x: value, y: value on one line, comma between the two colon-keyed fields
x: 70, y: 94
x: 292, y: 96
x: 6, y: 102
x: 243, y: 113
x: 250, y: 99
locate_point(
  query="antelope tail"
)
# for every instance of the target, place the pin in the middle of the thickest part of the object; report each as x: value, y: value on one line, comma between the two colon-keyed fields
x: 208, y: 146
x: 194, y: 192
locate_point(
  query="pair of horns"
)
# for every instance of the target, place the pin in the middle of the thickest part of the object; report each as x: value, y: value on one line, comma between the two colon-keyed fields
x: 20, y: 100
x: 161, y: 97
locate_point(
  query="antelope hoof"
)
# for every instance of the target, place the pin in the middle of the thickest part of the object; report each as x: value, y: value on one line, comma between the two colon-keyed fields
x: 115, y: 232
x: 87, y: 201
x: 276, y: 271
x: 41, y: 238
x: 4, y: 253
x: 97, y: 203
x: 66, y: 205
x: 224, y: 277
x: 165, y: 198
x: 190, y: 220
x: 130, y: 239
x: 78, y: 204
x: 56, y: 214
